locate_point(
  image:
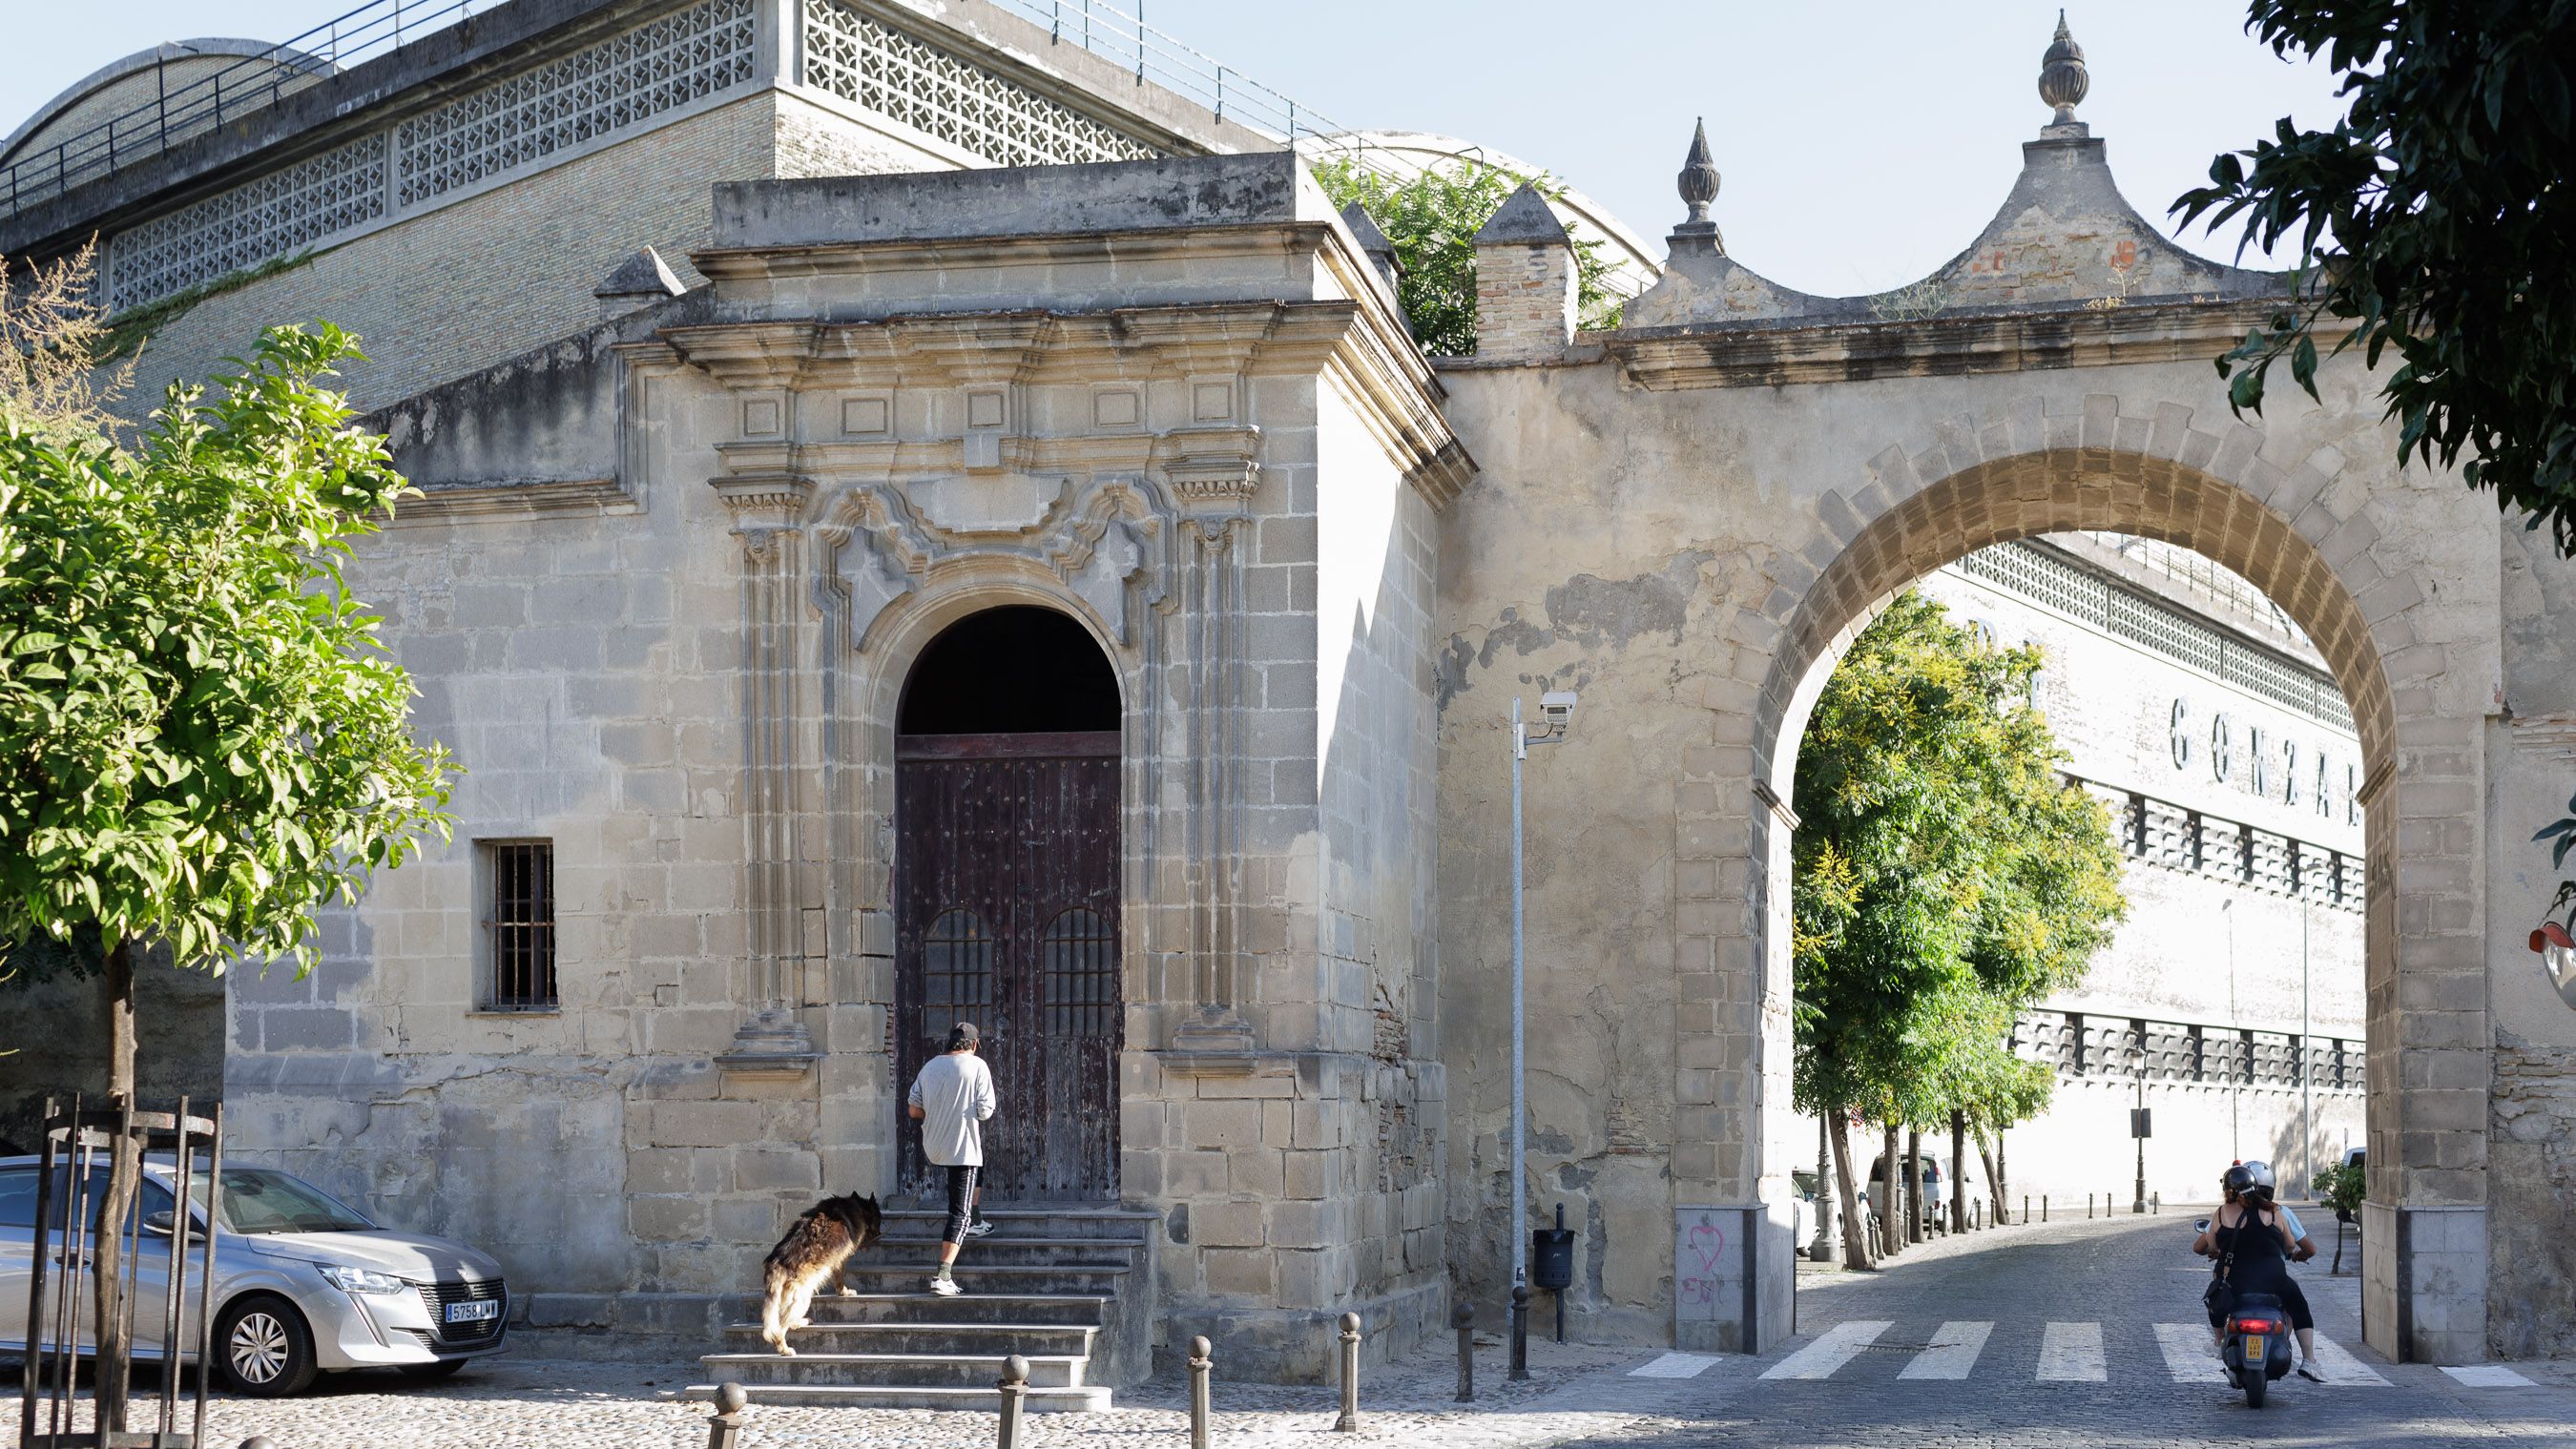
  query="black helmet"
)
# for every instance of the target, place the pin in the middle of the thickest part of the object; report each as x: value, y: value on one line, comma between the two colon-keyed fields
x: 2239, y: 1179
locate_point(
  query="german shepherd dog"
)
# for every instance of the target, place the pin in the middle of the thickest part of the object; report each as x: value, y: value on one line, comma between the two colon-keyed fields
x: 817, y: 1247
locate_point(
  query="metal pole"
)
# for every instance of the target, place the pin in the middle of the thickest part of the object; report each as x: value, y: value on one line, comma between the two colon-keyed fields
x: 2138, y: 1204
x: 2307, y: 1064
x: 1520, y: 1224
x: 1349, y: 1422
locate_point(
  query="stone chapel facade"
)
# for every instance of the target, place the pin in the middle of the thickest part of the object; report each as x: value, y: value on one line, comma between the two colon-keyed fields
x: 1001, y: 554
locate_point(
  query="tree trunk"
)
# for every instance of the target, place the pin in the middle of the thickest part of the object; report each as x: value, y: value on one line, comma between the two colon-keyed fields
x: 1856, y: 1251
x: 1958, y: 1171
x: 1993, y: 1158
x: 123, y: 1175
x: 1914, y: 1184
x: 1891, y: 1215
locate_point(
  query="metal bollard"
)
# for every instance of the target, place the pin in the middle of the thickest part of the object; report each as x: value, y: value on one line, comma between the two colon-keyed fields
x: 2088, y: 1207
x: 1349, y: 1422
x: 1520, y: 1335
x: 1014, y: 1389
x: 2043, y: 1207
x: 259, y: 1441
x: 2025, y: 1209
x: 733, y: 1411
x: 2156, y: 1203
x: 1199, y: 1364
x: 1463, y: 1319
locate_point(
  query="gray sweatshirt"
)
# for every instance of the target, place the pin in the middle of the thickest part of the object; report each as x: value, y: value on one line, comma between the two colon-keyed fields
x: 955, y: 1095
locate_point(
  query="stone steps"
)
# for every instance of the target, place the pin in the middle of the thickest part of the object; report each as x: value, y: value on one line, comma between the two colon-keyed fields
x: 893, y: 1370
x: 1070, y: 1290
x: 969, y: 1339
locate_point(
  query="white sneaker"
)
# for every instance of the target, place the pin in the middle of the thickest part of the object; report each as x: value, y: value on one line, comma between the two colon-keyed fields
x: 979, y: 1227
x: 945, y: 1287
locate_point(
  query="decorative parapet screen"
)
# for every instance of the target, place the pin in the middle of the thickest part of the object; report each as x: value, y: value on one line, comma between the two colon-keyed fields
x: 853, y: 55
x: 557, y: 107
x: 249, y: 224
x: 642, y: 73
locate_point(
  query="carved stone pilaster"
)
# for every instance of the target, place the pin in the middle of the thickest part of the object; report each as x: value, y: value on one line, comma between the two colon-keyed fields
x: 1213, y: 474
x: 768, y: 504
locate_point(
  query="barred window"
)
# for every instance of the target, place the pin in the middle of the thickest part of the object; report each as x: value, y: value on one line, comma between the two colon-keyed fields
x: 519, y: 925
x: 1079, y: 956
x: 956, y: 973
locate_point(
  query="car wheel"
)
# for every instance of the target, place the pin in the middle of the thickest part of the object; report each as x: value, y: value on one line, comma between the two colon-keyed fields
x: 430, y: 1372
x: 264, y: 1348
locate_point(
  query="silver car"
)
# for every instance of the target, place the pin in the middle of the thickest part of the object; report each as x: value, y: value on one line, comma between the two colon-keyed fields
x: 303, y: 1283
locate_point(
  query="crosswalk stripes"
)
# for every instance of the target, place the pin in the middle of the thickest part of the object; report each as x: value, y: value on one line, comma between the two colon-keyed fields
x: 2071, y: 1353
x: 1952, y: 1352
x: 1832, y: 1349
x: 2188, y: 1355
x: 2342, y: 1369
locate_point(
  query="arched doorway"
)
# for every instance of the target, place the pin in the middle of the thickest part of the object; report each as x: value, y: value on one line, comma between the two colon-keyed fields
x: 1006, y: 891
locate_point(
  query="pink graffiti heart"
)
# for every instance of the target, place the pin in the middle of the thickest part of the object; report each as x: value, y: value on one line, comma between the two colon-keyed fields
x: 1709, y: 1255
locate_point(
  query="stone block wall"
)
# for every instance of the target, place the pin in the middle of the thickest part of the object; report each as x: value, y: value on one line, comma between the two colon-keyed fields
x: 1525, y: 300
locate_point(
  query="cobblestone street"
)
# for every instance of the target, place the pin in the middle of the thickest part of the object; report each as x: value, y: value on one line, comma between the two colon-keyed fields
x: 2043, y: 1336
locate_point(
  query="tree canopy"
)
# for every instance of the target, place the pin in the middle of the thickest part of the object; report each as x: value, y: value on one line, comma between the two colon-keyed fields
x: 1432, y: 218
x: 200, y: 739
x: 2431, y: 220
x: 1945, y: 876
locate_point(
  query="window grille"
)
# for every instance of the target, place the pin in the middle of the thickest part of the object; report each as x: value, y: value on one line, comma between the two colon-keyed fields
x: 1079, y: 958
x: 2271, y: 862
x: 859, y: 58
x: 522, y: 925
x: 956, y: 973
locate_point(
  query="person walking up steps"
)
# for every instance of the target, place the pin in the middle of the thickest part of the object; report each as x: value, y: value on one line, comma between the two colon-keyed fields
x: 951, y: 1099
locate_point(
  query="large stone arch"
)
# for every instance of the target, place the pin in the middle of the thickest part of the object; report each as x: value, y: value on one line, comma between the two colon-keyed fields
x: 2299, y: 529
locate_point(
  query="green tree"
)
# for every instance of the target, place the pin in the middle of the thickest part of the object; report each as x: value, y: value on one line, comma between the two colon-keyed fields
x: 1432, y: 218
x: 2432, y: 219
x: 1944, y: 877
x: 200, y: 739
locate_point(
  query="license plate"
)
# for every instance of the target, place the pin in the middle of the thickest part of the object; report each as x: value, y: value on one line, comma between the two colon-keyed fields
x: 474, y: 1310
x: 2253, y: 1347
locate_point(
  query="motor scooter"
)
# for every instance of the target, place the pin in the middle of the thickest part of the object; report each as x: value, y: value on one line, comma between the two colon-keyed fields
x: 2255, y: 1345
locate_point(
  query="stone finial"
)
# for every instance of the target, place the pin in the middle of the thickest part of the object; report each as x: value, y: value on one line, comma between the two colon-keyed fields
x: 1698, y: 185
x: 2063, y: 81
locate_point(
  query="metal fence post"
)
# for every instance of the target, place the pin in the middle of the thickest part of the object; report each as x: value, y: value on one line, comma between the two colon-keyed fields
x: 1463, y: 1319
x: 1349, y: 1422
x: 1014, y: 1389
x: 1199, y: 1364
x: 733, y: 1411
x: 1520, y: 1334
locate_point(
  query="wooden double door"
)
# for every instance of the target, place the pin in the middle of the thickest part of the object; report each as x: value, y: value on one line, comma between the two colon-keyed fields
x: 1006, y: 915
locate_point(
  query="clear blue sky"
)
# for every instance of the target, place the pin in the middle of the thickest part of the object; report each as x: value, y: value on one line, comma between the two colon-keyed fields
x: 1863, y: 143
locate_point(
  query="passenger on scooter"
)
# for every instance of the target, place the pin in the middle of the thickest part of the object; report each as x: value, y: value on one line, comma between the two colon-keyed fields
x: 2254, y: 1245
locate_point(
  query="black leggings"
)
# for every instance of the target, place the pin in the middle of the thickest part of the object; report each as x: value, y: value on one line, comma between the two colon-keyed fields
x: 961, y: 1202
x: 2285, y: 1288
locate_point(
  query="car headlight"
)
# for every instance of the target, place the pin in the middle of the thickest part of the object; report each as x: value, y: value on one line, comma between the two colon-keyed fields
x: 363, y: 1280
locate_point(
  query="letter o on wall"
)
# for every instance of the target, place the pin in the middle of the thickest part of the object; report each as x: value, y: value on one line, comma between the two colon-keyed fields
x: 2218, y: 749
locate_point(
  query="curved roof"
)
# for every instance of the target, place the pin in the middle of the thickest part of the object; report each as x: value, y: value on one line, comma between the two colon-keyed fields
x: 1633, y: 261
x: 128, y: 83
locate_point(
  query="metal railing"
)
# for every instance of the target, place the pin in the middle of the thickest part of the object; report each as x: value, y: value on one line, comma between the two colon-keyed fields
x: 1113, y: 34
x: 245, y: 85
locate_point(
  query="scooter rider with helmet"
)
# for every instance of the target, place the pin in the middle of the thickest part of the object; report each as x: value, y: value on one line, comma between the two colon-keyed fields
x: 2252, y: 1236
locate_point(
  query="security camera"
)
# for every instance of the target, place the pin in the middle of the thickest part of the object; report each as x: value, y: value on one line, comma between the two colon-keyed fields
x: 1558, y: 703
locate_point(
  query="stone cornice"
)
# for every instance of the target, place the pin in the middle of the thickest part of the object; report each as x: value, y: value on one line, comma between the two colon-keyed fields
x: 512, y: 498
x: 1789, y: 351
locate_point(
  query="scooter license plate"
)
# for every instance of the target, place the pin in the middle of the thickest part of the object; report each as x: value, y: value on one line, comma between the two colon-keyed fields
x: 2254, y: 1349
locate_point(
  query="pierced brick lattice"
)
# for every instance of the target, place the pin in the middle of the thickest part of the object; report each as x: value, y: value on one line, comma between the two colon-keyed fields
x: 631, y: 77
x: 2117, y: 1047
x: 249, y: 224
x: 858, y: 58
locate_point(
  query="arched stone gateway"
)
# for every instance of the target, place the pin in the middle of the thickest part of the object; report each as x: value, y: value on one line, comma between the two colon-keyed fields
x: 1689, y: 518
